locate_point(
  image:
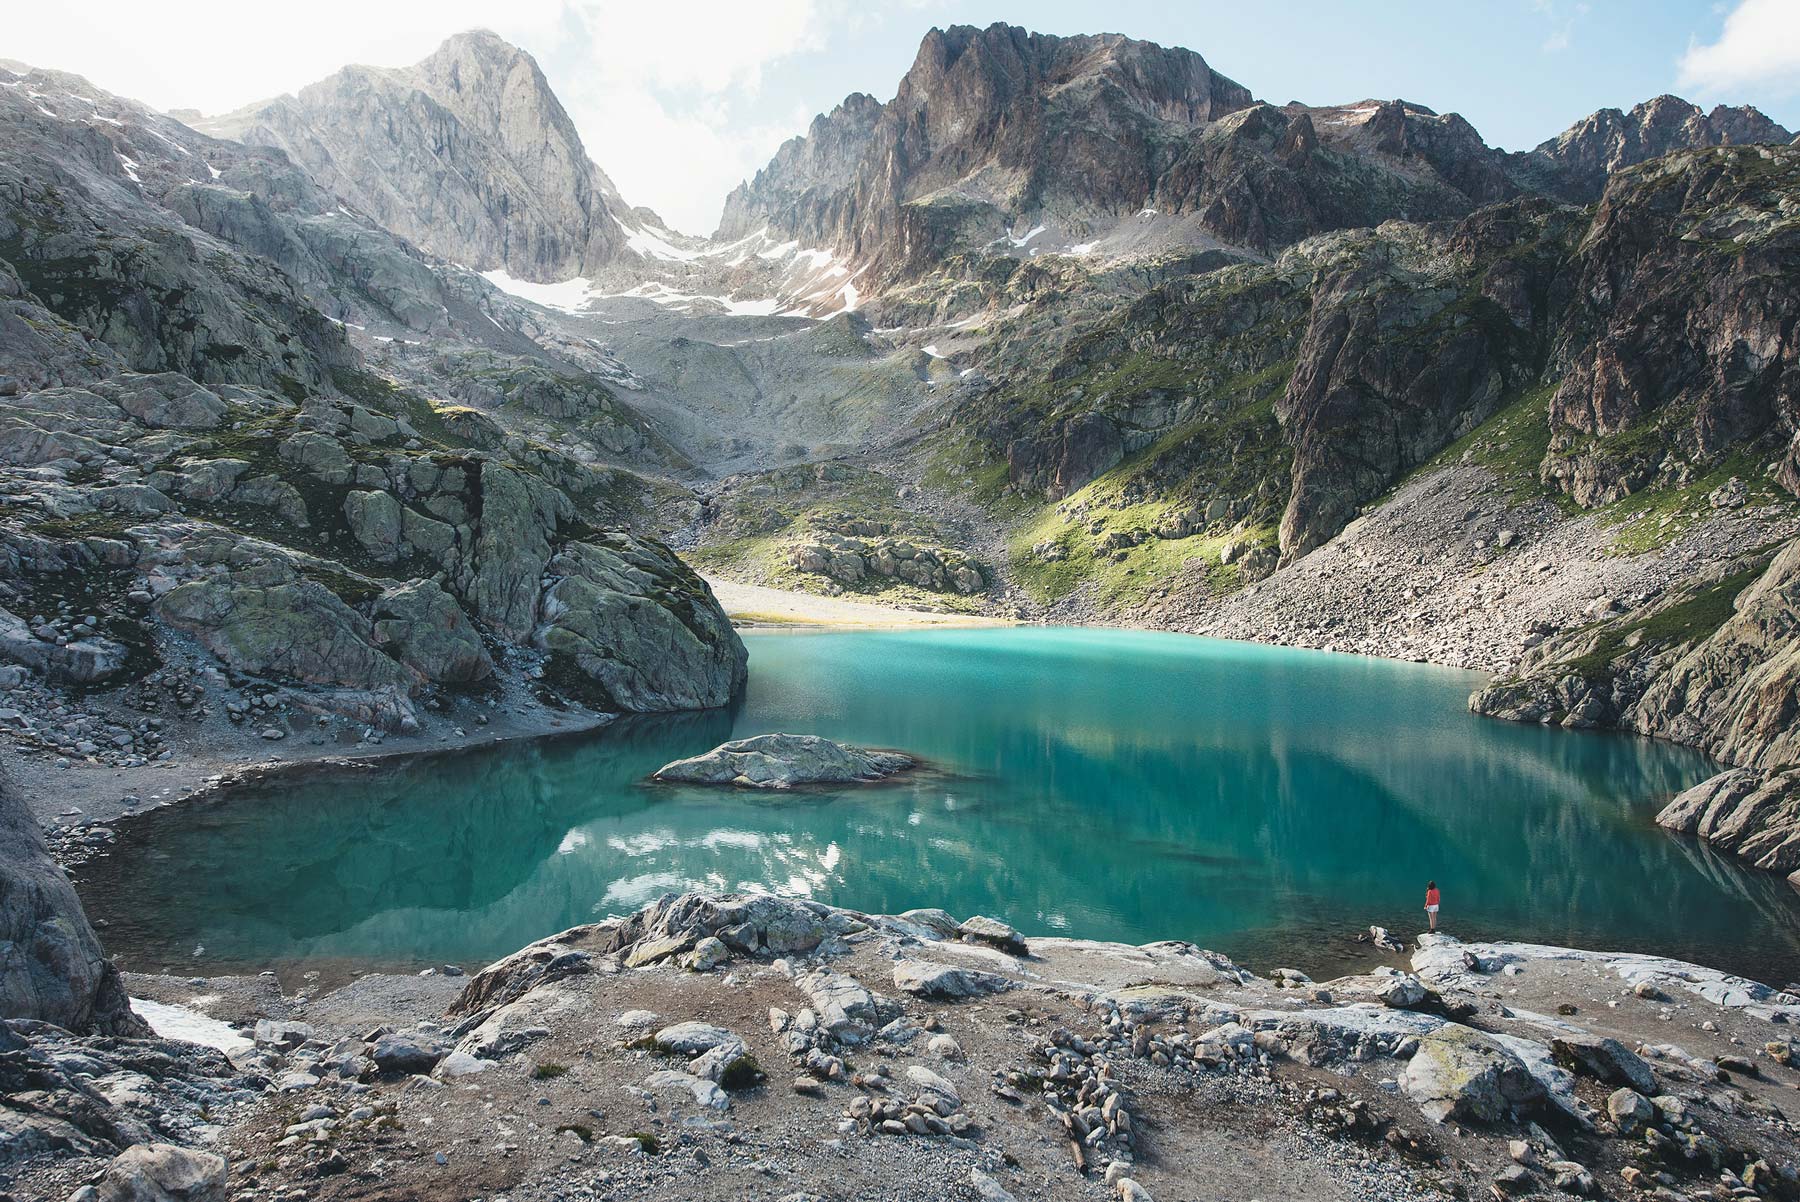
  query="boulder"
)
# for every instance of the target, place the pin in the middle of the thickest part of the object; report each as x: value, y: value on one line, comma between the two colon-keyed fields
x: 1630, y: 1110
x: 925, y: 979
x: 374, y: 519
x: 1605, y: 1060
x: 706, y: 1093
x: 423, y: 625
x: 692, y: 1038
x: 83, y: 661
x: 281, y: 1035
x: 402, y: 1053
x: 51, y: 965
x: 633, y: 628
x: 163, y: 1173
x: 1459, y: 1073
x: 981, y: 929
x: 847, y: 1011
x: 781, y: 761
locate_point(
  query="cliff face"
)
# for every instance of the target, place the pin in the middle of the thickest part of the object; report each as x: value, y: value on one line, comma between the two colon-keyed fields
x: 51, y: 965
x: 1680, y: 347
x: 807, y: 176
x: 468, y: 155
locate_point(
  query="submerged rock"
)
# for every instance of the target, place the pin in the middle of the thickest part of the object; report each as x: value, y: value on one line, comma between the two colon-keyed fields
x: 781, y: 761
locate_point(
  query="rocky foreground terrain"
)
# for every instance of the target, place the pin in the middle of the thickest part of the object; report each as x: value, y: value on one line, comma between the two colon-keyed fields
x: 717, y: 1046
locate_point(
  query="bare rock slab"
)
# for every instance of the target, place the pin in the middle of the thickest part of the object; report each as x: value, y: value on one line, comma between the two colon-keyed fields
x: 781, y: 761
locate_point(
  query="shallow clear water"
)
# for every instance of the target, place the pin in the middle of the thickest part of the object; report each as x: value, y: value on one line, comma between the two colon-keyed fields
x: 1261, y: 801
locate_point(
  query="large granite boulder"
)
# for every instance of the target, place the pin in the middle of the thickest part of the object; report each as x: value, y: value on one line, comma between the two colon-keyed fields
x: 631, y: 627
x: 781, y: 761
x: 1462, y: 1074
x: 425, y: 627
x: 51, y: 965
x: 164, y: 1173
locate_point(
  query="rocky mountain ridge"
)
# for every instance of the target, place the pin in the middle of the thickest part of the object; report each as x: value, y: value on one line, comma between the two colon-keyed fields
x: 468, y: 155
x: 1001, y: 140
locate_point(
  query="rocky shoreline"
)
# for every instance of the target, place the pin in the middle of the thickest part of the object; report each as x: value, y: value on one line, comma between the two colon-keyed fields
x: 743, y: 1046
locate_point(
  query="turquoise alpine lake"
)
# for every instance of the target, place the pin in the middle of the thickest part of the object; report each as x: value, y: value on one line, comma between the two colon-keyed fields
x: 1264, y: 802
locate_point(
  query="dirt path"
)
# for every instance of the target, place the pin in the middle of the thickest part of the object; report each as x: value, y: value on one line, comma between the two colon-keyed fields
x: 759, y: 605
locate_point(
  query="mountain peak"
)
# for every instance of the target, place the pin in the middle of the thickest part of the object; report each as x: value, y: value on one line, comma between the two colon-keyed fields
x: 467, y: 154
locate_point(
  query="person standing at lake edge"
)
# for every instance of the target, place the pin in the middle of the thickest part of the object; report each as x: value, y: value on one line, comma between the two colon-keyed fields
x: 1431, y: 902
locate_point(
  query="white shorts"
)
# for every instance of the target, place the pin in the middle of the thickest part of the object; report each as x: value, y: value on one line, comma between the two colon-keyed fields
x: 1431, y: 909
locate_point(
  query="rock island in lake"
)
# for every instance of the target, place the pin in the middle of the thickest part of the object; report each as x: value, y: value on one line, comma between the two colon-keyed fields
x: 781, y: 761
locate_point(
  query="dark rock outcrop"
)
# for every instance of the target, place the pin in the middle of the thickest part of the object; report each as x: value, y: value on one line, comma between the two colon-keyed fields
x: 1680, y: 344
x: 51, y: 965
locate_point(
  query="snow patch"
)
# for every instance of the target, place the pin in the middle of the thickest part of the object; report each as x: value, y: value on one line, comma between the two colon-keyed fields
x: 653, y: 246
x: 570, y: 295
x: 190, y: 1026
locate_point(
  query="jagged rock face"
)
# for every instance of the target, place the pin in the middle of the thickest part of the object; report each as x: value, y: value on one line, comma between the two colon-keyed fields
x: 1681, y: 341
x: 1265, y: 177
x: 79, y: 234
x: 998, y: 127
x: 1715, y: 666
x: 51, y: 965
x: 1589, y: 151
x: 468, y: 155
x: 1400, y: 356
x: 1744, y: 812
x: 1737, y: 693
x: 807, y: 176
x: 987, y: 125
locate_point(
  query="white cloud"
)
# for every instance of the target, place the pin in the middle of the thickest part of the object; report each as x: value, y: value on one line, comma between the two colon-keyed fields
x: 1562, y: 18
x: 1759, y: 47
x: 665, y: 94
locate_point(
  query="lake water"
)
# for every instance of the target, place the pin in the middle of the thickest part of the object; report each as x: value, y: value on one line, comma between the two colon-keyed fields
x: 1261, y: 801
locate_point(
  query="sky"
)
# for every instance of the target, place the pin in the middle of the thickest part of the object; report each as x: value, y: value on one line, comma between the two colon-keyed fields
x: 679, y: 100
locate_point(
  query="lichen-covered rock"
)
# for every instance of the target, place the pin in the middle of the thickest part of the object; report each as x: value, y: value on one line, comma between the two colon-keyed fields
x: 1460, y: 1073
x: 79, y: 661
x: 781, y: 761
x: 269, y: 620
x: 51, y: 965
x: 374, y: 519
x: 636, y: 629
x: 424, y: 626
